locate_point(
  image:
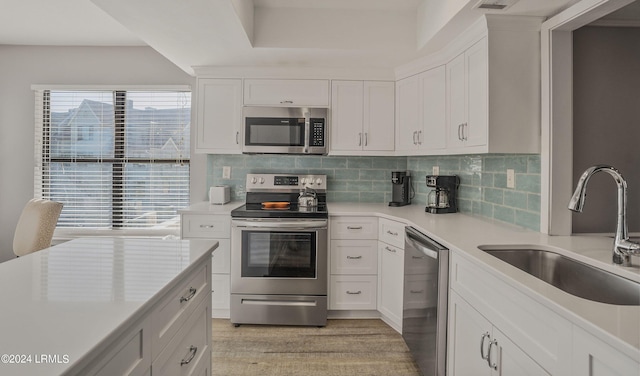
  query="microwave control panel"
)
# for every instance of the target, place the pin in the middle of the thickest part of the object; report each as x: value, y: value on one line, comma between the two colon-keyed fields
x: 317, y: 132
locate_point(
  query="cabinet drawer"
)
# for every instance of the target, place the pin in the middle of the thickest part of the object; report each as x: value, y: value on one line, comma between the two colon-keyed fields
x: 354, y: 228
x: 221, y: 257
x: 540, y: 332
x: 172, y: 311
x: 391, y: 232
x: 286, y: 92
x: 220, y: 293
x: 354, y: 257
x: 184, y: 354
x: 353, y: 292
x: 205, y: 226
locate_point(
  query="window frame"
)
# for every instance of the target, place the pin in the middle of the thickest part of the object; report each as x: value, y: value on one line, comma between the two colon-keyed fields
x: 42, y: 143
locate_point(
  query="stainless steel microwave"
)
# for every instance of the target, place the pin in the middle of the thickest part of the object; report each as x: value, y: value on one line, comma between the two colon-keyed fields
x: 285, y: 130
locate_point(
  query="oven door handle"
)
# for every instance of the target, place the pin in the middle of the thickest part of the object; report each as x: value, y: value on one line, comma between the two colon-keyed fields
x: 292, y: 225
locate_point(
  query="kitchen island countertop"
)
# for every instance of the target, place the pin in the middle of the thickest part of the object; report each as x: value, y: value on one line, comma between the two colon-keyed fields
x: 63, y: 305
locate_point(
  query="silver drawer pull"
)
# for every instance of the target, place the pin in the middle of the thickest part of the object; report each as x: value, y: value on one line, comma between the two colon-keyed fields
x: 286, y: 102
x: 192, y: 354
x: 392, y: 233
x: 390, y: 249
x: 192, y: 293
x: 354, y: 257
x: 354, y: 227
x: 207, y: 226
x: 354, y: 292
x: 416, y: 291
x: 484, y: 336
x: 495, y: 364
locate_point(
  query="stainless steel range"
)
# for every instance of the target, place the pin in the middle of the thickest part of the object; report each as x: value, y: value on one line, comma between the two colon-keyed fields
x: 279, y: 256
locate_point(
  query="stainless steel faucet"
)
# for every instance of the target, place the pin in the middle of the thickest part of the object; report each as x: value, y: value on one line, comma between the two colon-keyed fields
x: 623, y: 249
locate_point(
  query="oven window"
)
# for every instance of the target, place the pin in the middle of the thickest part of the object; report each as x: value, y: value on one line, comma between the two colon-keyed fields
x: 274, y: 132
x: 278, y: 254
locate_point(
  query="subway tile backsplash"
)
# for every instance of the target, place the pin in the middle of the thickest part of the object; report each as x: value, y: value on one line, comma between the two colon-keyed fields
x: 483, y: 179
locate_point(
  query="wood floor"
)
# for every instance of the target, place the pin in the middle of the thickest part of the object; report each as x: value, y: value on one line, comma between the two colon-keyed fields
x: 342, y: 348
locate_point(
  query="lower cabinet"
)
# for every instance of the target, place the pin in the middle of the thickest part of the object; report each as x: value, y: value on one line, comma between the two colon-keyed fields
x: 593, y: 357
x: 353, y: 274
x: 390, y: 284
x: 476, y: 347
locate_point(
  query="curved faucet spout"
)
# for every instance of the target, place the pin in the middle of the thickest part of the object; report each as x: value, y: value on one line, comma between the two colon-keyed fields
x: 622, y: 248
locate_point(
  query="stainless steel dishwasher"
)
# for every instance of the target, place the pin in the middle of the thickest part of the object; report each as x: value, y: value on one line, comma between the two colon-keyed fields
x: 426, y: 283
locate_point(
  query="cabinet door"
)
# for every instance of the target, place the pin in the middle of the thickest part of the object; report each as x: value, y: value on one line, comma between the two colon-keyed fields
x: 457, y: 108
x: 509, y: 359
x: 346, y: 115
x: 593, y: 357
x: 390, y: 282
x: 467, y: 331
x: 219, y: 116
x: 476, y: 65
x: 432, y: 135
x: 262, y: 92
x: 407, y: 113
x: 379, y: 115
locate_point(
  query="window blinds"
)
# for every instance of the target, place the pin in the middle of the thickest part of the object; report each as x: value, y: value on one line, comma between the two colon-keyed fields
x: 115, y: 158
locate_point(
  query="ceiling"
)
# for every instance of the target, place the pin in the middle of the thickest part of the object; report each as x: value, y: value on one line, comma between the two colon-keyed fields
x: 191, y: 33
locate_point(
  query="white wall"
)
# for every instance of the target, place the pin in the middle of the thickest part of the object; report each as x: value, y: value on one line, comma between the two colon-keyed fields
x: 23, y: 66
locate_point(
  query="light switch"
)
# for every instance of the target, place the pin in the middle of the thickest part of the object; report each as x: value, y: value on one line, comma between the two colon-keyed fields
x: 226, y: 172
x: 511, y: 178
x: 435, y: 170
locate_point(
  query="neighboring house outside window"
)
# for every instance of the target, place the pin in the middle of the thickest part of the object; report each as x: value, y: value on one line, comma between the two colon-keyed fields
x: 117, y: 159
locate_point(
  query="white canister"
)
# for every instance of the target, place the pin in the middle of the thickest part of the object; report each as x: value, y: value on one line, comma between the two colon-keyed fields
x: 219, y: 194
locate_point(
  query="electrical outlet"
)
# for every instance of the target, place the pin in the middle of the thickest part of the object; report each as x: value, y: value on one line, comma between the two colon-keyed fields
x: 226, y: 172
x: 511, y: 178
x: 435, y: 170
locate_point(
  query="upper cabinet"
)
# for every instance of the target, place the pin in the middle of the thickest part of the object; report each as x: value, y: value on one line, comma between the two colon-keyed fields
x: 421, y: 113
x: 362, y: 117
x: 219, y: 116
x: 286, y: 93
x: 491, y: 99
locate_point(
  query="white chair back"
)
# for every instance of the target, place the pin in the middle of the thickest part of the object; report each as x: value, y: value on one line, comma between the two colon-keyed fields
x: 35, y: 226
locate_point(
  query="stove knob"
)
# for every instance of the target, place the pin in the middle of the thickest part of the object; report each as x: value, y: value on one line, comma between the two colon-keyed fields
x: 303, y: 181
x: 254, y: 180
x: 261, y: 180
x: 318, y: 181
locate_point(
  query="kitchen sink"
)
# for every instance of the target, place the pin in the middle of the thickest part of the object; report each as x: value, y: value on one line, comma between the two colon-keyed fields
x: 571, y: 276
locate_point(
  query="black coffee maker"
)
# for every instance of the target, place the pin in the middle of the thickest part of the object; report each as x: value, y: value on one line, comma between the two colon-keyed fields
x: 400, y: 188
x: 442, y: 199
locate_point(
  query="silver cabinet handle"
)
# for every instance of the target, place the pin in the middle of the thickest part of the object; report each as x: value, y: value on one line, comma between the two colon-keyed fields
x: 419, y: 137
x: 459, y: 130
x: 494, y: 366
x: 484, y: 336
x: 414, y: 137
x: 366, y: 138
x: 286, y: 102
x: 237, y: 138
x: 207, y: 226
x: 354, y: 257
x: 392, y: 233
x: 354, y: 292
x: 192, y: 354
x: 464, y: 136
x: 192, y: 293
x: 390, y: 249
x: 354, y: 227
x: 360, y: 139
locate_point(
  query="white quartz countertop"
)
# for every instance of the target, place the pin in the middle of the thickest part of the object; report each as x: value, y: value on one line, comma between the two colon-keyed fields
x: 71, y: 299
x: 617, y: 324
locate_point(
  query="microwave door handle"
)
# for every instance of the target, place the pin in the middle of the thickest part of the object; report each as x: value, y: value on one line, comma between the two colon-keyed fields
x: 307, y: 130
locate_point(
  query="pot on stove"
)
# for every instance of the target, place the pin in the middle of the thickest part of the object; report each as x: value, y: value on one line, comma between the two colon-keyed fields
x: 307, y: 198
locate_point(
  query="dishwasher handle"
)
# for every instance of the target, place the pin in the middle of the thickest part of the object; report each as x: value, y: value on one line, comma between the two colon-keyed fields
x: 422, y: 242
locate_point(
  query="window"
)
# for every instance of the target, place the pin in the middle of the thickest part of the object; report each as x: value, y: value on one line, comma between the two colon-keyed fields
x: 117, y: 159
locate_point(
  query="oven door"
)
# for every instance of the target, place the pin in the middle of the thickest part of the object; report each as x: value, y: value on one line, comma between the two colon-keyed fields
x: 279, y: 257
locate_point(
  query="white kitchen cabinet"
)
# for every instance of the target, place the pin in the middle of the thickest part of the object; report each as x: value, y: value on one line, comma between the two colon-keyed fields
x: 219, y: 116
x: 286, y: 93
x: 354, y: 257
x: 540, y: 333
x: 496, y: 353
x: 421, y: 113
x: 467, y: 81
x: 390, y: 284
x: 594, y: 357
x: 348, y: 227
x: 214, y: 227
x: 362, y: 117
